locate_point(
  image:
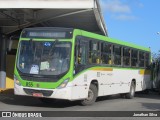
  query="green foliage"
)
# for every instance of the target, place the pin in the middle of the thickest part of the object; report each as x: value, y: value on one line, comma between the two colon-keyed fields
x: 156, y: 56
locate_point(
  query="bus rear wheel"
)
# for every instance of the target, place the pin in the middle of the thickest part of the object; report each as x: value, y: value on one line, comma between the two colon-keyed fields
x: 92, y: 95
x: 131, y: 93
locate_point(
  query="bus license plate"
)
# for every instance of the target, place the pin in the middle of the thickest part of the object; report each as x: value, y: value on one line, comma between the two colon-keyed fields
x: 37, y: 94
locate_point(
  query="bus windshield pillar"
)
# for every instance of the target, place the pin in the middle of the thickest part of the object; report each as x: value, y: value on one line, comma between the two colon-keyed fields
x: 2, y: 61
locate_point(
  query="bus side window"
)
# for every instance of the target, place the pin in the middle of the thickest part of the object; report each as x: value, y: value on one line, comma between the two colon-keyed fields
x: 90, y: 49
x: 106, y: 53
x: 102, y: 53
x: 141, y: 59
x: 77, y: 53
x: 116, y: 55
x: 126, y: 56
x: 134, y: 58
x: 147, y: 59
x: 82, y: 54
x: 94, y: 52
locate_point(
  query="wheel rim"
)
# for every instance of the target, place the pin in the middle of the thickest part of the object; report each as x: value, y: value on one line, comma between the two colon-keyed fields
x: 90, y: 95
x: 132, y: 91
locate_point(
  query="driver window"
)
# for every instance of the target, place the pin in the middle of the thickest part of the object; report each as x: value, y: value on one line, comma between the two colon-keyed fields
x: 81, y: 49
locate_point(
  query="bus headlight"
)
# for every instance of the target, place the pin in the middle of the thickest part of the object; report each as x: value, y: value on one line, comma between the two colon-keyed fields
x: 63, y: 84
x: 16, y: 81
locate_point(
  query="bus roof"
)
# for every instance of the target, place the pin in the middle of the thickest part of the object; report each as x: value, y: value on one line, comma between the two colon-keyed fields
x: 95, y: 36
x: 112, y: 40
x: 48, y: 28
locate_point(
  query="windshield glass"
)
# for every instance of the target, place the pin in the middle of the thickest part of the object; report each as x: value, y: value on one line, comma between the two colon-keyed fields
x: 44, y: 58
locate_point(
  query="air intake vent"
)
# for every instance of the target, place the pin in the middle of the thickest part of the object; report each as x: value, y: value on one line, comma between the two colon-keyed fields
x: 44, y: 92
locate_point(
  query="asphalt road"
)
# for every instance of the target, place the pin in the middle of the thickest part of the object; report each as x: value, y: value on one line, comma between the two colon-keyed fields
x: 141, y: 102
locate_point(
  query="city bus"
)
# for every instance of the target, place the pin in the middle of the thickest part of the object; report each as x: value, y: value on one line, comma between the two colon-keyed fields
x: 73, y: 64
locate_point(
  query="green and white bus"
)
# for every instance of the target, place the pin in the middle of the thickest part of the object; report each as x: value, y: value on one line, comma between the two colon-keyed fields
x: 72, y: 64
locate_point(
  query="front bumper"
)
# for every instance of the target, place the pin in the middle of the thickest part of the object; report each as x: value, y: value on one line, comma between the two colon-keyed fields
x: 64, y: 93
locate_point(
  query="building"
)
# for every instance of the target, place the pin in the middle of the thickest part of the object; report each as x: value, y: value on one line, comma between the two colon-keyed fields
x: 18, y: 14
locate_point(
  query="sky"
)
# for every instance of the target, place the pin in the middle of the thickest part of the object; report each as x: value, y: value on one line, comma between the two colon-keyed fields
x: 135, y: 21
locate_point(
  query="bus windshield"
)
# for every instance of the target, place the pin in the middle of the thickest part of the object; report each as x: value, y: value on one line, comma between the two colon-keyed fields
x: 44, y: 57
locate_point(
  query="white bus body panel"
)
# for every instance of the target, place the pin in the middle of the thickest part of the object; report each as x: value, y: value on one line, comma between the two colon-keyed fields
x: 109, y: 82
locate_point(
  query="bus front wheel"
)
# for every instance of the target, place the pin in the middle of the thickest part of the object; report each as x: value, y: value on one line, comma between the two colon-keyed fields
x: 131, y: 93
x: 92, y: 95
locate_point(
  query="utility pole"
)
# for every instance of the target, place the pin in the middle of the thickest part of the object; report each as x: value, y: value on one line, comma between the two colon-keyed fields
x: 2, y: 60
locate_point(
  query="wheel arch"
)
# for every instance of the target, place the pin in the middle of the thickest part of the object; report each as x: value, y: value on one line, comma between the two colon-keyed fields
x: 95, y: 82
x: 134, y: 81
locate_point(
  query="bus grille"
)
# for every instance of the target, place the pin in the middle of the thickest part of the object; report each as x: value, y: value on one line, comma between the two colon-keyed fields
x: 44, y: 92
x: 39, y: 79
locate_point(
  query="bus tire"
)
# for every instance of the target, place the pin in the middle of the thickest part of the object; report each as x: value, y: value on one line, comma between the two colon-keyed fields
x: 92, y: 95
x: 131, y: 93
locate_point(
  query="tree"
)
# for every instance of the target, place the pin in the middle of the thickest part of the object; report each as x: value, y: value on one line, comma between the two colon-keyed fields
x: 156, y: 56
